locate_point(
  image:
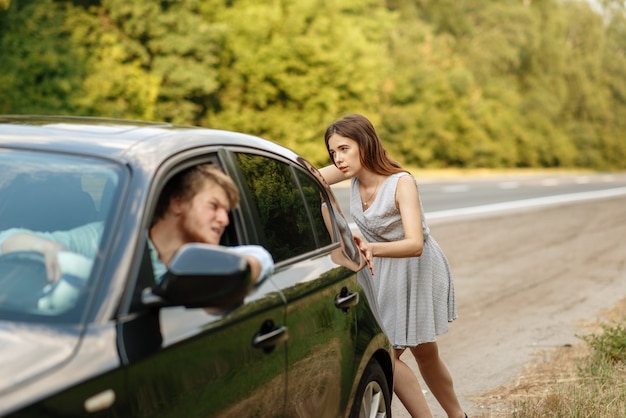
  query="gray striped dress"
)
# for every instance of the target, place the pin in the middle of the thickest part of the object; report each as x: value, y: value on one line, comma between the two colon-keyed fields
x: 413, y: 297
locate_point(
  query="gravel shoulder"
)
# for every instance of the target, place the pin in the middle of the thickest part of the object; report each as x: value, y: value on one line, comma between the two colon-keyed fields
x: 525, y: 281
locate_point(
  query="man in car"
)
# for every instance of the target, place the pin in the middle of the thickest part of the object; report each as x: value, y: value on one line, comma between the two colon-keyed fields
x: 193, y: 207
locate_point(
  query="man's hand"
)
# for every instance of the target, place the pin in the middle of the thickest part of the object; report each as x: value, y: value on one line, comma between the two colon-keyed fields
x: 51, y: 255
x: 30, y: 242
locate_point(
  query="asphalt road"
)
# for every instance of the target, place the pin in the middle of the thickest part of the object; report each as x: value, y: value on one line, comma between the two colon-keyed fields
x: 524, y: 279
x: 450, y: 198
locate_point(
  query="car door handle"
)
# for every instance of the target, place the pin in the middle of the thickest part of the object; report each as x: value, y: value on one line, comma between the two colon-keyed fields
x: 346, y: 299
x: 269, y: 336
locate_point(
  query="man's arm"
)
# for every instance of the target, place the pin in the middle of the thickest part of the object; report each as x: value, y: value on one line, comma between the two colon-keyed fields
x: 260, y: 260
x: 25, y: 241
x: 83, y: 240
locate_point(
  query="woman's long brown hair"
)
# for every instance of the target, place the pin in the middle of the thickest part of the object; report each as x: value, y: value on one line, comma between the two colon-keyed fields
x: 371, y: 151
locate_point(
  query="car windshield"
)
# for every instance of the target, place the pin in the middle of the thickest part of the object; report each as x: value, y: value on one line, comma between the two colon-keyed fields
x: 53, y: 210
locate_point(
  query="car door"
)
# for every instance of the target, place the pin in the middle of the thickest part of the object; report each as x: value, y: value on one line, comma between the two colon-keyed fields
x: 202, y: 363
x: 287, y: 205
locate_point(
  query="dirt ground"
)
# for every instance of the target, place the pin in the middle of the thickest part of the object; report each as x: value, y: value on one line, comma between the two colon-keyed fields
x: 525, y: 282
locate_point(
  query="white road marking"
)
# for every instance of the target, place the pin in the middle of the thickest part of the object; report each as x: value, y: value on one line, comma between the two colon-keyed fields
x: 509, y: 185
x: 456, y: 188
x: 550, y: 182
x: 518, y: 204
x: 527, y: 203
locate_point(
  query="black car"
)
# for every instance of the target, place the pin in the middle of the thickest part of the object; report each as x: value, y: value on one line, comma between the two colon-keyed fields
x: 106, y: 341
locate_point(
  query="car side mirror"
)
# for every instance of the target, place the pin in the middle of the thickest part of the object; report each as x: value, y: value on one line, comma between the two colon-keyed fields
x: 202, y: 276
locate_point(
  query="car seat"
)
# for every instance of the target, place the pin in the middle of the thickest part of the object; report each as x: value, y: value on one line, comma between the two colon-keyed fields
x: 45, y: 202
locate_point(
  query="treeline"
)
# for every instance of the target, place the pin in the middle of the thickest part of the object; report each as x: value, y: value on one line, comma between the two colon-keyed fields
x: 448, y: 83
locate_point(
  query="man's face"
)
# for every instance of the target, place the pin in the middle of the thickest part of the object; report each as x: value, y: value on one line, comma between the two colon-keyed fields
x: 205, y: 217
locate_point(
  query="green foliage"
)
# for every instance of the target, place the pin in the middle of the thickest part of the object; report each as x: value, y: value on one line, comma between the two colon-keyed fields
x: 475, y: 83
x: 536, y: 96
x: 304, y: 63
x: 609, y: 344
x: 114, y: 83
x: 596, y: 390
x: 174, y: 48
x: 39, y: 69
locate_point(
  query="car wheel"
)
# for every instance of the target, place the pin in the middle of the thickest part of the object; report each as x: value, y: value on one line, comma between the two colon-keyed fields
x: 373, y: 399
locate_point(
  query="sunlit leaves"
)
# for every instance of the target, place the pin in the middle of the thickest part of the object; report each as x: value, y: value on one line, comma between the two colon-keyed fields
x: 300, y: 65
x: 472, y: 83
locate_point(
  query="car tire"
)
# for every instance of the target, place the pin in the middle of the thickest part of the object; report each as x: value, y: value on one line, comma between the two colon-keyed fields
x: 373, y: 398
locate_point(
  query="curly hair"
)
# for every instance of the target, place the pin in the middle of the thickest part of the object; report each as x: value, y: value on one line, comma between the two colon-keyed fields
x: 187, y: 183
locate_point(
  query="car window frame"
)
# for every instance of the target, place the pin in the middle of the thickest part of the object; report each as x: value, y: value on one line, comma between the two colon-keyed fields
x: 137, y: 279
x: 248, y: 215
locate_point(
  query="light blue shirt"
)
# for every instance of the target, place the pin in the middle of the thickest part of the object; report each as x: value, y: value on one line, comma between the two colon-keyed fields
x: 256, y: 251
x: 85, y: 240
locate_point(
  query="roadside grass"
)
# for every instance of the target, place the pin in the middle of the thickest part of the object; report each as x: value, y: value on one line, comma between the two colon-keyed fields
x: 598, y: 390
x: 581, y: 381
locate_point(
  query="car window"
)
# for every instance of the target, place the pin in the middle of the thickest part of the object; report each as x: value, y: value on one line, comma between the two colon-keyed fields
x: 288, y: 206
x: 61, y: 199
x: 314, y: 199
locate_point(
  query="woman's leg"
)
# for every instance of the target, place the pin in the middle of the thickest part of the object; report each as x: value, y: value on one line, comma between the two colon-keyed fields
x: 436, y: 375
x: 407, y: 388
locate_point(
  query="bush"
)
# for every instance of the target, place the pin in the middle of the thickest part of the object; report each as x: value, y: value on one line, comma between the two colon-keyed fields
x: 610, y: 344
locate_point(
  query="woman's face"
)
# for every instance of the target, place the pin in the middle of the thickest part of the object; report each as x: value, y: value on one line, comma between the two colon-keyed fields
x: 345, y: 154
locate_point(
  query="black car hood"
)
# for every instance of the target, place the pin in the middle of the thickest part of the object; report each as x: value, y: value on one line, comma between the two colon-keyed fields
x: 29, y: 350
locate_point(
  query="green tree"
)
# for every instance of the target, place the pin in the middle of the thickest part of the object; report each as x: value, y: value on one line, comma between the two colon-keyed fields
x: 114, y: 83
x: 436, y: 112
x: 172, y: 45
x: 612, y: 139
x: 472, y: 83
x: 301, y: 65
x: 58, y: 58
x: 39, y: 68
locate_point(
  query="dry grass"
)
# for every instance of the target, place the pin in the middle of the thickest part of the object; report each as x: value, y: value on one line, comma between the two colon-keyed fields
x: 565, y: 382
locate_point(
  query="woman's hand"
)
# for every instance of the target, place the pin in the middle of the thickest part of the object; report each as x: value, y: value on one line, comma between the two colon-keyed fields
x: 366, y: 252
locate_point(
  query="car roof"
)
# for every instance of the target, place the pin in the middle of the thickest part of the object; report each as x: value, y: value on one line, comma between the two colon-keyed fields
x: 125, y: 141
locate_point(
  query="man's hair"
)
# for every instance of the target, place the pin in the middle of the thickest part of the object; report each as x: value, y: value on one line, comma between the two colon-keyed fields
x: 187, y: 183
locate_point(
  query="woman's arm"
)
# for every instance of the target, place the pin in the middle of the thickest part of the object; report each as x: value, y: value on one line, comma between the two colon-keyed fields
x: 332, y: 174
x: 407, y: 201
